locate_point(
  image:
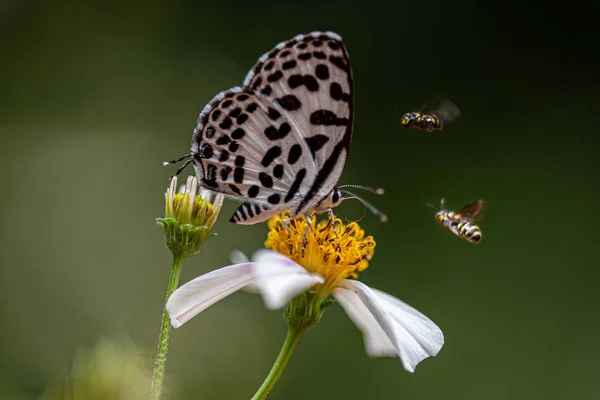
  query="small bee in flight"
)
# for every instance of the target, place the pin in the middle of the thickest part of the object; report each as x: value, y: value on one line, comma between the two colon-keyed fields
x: 431, y: 117
x: 461, y: 223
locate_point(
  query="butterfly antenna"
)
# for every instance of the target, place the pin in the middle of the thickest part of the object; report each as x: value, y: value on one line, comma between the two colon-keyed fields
x: 382, y: 217
x: 185, y: 164
x: 367, y: 188
x: 434, y: 207
x: 165, y: 163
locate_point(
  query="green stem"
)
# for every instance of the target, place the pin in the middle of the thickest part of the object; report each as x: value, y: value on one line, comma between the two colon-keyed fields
x: 291, y: 340
x: 165, y: 331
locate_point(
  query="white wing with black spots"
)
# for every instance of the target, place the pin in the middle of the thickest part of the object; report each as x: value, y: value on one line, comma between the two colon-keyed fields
x: 245, y: 147
x: 281, y: 141
x: 310, y: 77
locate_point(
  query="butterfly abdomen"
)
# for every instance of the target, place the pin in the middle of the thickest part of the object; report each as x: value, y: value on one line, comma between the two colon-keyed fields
x: 249, y: 212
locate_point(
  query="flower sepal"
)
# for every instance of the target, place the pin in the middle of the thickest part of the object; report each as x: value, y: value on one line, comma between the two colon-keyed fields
x: 184, y: 239
x: 305, y: 310
x: 327, y: 302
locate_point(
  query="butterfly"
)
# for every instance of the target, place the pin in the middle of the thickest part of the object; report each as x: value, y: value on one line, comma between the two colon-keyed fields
x: 281, y: 141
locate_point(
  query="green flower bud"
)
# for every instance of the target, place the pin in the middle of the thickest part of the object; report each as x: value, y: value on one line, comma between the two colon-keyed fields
x: 189, y: 217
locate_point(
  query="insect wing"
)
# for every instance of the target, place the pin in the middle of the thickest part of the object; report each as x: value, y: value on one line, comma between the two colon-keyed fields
x: 281, y: 141
x: 442, y: 108
x: 240, y: 148
x: 309, y: 76
x: 472, y: 211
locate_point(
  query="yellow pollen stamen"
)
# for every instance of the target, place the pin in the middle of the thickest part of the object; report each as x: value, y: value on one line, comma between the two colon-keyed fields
x: 334, y: 254
x: 202, y: 211
x: 199, y: 203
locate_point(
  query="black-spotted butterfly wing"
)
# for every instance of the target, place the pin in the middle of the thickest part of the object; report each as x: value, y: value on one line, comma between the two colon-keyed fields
x: 232, y: 154
x: 281, y: 141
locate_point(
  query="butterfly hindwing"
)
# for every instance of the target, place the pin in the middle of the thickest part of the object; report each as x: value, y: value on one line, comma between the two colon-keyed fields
x: 245, y: 147
x: 281, y: 141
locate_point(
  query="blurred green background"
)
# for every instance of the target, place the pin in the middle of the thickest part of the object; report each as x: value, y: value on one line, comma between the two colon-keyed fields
x: 95, y: 94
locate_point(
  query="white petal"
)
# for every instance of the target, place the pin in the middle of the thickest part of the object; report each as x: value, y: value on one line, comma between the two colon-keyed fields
x: 424, y: 330
x: 280, y: 279
x: 204, y: 291
x: 205, y: 194
x: 218, y: 201
x: 237, y: 257
x: 377, y: 344
x: 252, y: 287
x: 414, y: 336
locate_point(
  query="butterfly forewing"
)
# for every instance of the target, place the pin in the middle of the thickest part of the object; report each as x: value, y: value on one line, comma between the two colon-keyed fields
x: 309, y: 76
x: 281, y: 141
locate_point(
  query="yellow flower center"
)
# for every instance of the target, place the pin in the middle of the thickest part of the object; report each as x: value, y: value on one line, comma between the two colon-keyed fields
x: 200, y: 208
x: 334, y: 254
x: 197, y: 211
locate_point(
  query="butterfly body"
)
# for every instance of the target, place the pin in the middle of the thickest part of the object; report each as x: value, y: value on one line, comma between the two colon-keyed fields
x: 462, y: 223
x: 281, y: 141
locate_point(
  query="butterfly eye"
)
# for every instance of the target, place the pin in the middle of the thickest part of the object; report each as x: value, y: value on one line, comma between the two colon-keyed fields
x: 335, y: 196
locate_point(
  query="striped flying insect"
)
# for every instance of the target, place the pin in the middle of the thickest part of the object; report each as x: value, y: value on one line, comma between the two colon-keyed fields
x: 433, y: 116
x: 461, y: 223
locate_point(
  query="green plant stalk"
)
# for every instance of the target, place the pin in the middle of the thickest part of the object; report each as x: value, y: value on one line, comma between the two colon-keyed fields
x: 291, y: 340
x: 165, y: 331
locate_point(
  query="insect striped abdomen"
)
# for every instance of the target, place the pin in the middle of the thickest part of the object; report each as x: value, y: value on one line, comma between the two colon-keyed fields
x: 469, y: 231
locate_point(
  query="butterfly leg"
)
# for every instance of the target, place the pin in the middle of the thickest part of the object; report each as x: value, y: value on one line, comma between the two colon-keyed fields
x: 308, y: 226
x: 332, y: 220
x: 286, y: 222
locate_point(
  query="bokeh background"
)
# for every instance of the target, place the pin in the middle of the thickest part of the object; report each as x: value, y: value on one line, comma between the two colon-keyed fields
x: 95, y: 94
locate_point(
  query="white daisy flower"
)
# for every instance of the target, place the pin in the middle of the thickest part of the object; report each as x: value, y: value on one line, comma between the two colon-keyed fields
x: 327, y: 263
